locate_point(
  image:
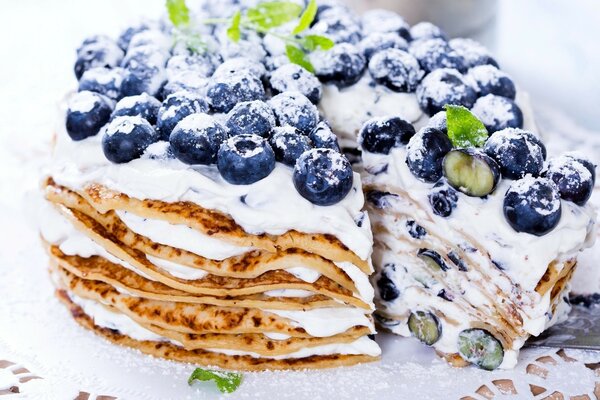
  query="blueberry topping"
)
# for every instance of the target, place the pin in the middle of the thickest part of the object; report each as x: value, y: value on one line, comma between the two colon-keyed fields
x: 176, y: 107
x: 288, y: 144
x: 87, y: 113
x: 433, y: 259
x: 144, y: 71
x: 130, y: 32
x: 387, y: 289
x: 142, y: 105
x: 415, y: 230
x: 444, y: 86
x: 532, y: 205
x: 379, y: 20
x: 425, y: 327
x: 127, y: 138
x: 395, y: 69
x: 98, y: 51
x: 439, y: 122
x: 379, y: 199
x: 196, y: 139
x: 323, y: 176
x: 237, y: 65
x: 488, y: 79
x: 427, y: 30
x: 443, y: 199
x: 573, y: 179
x: 323, y: 137
x: 481, y: 348
x: 344, y: 64
x: 516, y: 152
x: 153, y: 37
x: 145, y: 56
x: 472, y: 52
x: 292, y: 77
x: 471, y: 171
x: 380, y: 135
x: 433, y: 54
x: 245, y: 159
x: 160, y: 150
x: 425, y: 152
x: 339, y: 28
x: 225, y: 91
x: 251, y: 117
x: 294, y: 109
x: 378, y: 41
x: 201, y: 65
x: 498, y: 113
x: 103, y: 80
x: 583, y: 160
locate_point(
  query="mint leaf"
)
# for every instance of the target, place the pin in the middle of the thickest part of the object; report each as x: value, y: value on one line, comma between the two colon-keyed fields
x: 464, y: 128
x: 307, y: 17
x: 233, y: 32
x: 179, y: 13
x: 298, y: 56
x: 273, y: 13
x: 314, y: 42
x: 227, y: 382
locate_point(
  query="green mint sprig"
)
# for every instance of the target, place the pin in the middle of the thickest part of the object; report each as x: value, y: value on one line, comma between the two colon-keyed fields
x: 227, y: 382
x: 179, y: 15
x: 464, y: 128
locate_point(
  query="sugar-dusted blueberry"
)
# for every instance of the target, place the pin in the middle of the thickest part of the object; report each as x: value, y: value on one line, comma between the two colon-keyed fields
x: 250, y: 46
x: 160, y: 150
x: 245, y: 159
x: 488, y: 79
x: 201, y: 65
x: 380, y: 20
x: 381, y: 134
x: 472, y: 52
x: 497, y: 113
x: 323, y: 137
x: 144, y: 71
x: 572, y: 178
x: 585, y: 161
x: 288, y: 144
x: 225, y: 91
x: 87, y: 113
x: 378, y: 41
x: 443, y: 199
x: 396, y: 69
x: 532, y: 205
x: 386, y: 286
x: 145, y: 56
x: 142, y: 105
x: 103, y: 80
x: 516, y: 153
x: 99, y: 51
x: 236, y: 65
x: 339, y: 28
x: 439, y: 121
x: 294, y: 109
x: 435, y: 53
x: 127, y: 138
x: 427, y: 30
x: 323, y: 176
x: 176, y: 107
x: 425, y: 152
x: 444, y: 86
x: 344, y: 64
x: 196, y: 139
x: 153, y: 37
x: 471, y: 171
x: 292, y: 77
x: 128, y: 33
x: 251, y: 117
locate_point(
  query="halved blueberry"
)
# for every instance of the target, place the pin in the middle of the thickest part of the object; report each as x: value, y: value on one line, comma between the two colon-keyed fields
x: 518, y: 152
x: 251, y: 117
x: 323, y: 176
x: 481, y: 348
x: 433, y: 259
x: 471, y: 171
x: 245, y: 159
x: 323, y: 137
x: 425, y: 152
x: 225, y: 91
x: 294, y: 109
x: 444, y: 86
x: 288, y: 143
x: 292, y: 77
x: 176, y: 107
x: 443, y: 199
x: 127, y: 138
x: 381, y: 134
x: 425, y: 327
x: 196, y: 139
x: 532, y: 205
x: 497, y: 113
x: 87, y: 113
x: 396, y: 69
x: 344, y: 64
x: 574, y: 181
x: 490, y: 80
x: 142, y: 105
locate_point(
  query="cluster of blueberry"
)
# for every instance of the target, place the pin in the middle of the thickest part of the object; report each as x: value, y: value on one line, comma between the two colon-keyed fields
x: 205, y: 111
x: 532, y: 203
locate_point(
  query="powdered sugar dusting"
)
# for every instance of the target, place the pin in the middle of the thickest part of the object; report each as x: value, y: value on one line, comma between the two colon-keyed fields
x: 124, y: 125
x: 83, y: 102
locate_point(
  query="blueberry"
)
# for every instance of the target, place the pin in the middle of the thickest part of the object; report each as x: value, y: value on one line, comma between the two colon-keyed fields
x: 227, y: 90
x: 444, y: 86
x: 471, y: 172
x: 127, y: 138
x: 379, y: 20
x: 144, y: 71
x: 245, y: 159
x: 472, y: 52
x: 288, y: 144
x: 532, y: 205
x: 378, y: 41
x: 344, y: 64
x: 323, y: 176
x: 439, y: 121
x: 339, y: 28
x: 200, y: 65
x: 142, y: 105
x: 488, y: 79
x: 573, y: 179
x: 294, y: 109
x: 498, y: 113
x: 585, y: 161
x: 196, y: 139
x: 251, y: 117
x: 425, y: 326
x: 175, y: 108
x: 395, y: 69
x: 103, y: 80
x: 87, y: 113
x: 186, y: 81
x: 292, y: 77
x: 481, y: 348
x: 127, y: 34
x: 387, y: 289
x: 148, y: 56
x: 415, y: 230
x: 151, y: 37
x: 427, y: 30
x: 443, y: 199
x: 433, y: 54
x: 249, y: 47
x: 380, y: 135
x: 160, y: 150
x: 323, y: 137
x: 236, y: 65
x: 97, y: 52
x: 425, y: 152
x: 516, y: 153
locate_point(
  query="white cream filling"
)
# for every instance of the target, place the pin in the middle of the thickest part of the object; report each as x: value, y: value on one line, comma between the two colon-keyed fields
x: 324, y: 322
x: 366, y: 292
x: 289, y: 293
x: 305, y: 274
x: 177, y: 270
